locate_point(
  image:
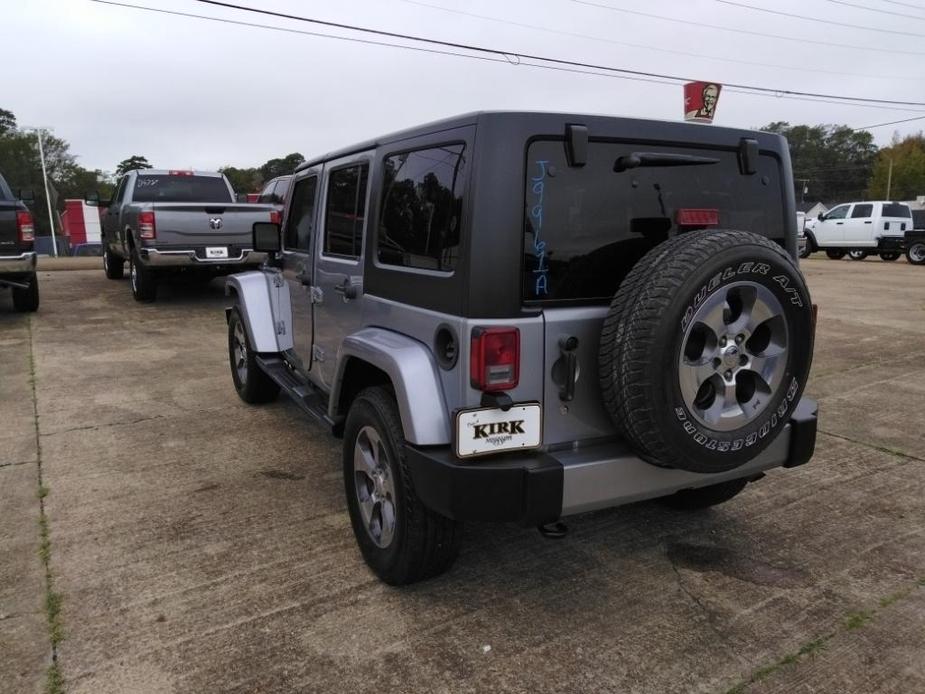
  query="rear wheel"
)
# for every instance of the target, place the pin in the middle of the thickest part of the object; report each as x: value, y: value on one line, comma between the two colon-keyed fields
x: 835, y: 255
x: 144, y: 284
x: 113, y: 265
x: 858, y: 255
x: 806, y: 250
x: 400, y: 539
x: 889, y: 256
x: 704, y: 497
x: 250, y: 381
x: 27, y: 300
x: 705, y: 352
x: 915, y: 254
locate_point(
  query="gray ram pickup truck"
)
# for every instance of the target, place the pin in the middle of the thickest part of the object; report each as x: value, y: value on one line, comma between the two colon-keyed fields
x: 170, y: 222
x: 520, y: 317
x: 17, y: 259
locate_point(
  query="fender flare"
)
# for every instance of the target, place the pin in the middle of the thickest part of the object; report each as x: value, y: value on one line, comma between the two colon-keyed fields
x: 414, y: 374
x: 264, y: 303
x: 811, y: 240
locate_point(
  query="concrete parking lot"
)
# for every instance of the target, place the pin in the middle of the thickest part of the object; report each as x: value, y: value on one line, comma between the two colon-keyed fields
x: 201, y: 545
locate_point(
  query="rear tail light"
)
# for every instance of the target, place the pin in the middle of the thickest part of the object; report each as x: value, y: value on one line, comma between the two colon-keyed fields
x: 690, y: 217
x: 146, y: 226
x: 494, y: 359
x: 276, y: 217
x: 25, y: 226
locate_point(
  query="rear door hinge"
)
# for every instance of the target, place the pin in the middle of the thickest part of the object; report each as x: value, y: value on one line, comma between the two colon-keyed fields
x: 317, y: 353
x: 317, y: 296
x: 277, y: 280
x: 280, y: 327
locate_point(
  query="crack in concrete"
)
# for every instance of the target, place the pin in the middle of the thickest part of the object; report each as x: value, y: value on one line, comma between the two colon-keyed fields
x: 707, y: 612
x: 18, y: 462
x: 97, y: 427
x: 873, y: 446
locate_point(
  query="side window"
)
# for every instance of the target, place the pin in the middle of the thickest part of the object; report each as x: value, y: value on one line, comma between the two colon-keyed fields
x: 345, y: 211
x: 266, y: 195
x: 301, y: 220
x: 862, y: 211
x: 421, y: 205
x: 839, y: 212
x: 119, y: 195
x: 279, y: 193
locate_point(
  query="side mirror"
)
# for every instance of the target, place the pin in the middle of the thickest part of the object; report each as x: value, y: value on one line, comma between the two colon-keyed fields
x: 266, y: 237
x: 25, y: 195
x: 241, y: 197
x: 92, y: 198
x: 820, y: 217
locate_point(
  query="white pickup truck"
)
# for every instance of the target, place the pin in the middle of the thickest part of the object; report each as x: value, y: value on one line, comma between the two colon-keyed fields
x: 860, y: 229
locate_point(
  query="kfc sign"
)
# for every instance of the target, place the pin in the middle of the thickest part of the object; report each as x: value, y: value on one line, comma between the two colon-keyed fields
x: 700, y: 100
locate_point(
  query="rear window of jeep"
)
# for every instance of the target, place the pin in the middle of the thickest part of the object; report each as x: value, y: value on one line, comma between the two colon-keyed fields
x: 585, y: 227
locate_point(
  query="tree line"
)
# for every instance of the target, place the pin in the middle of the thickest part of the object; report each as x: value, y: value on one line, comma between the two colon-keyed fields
x: 831, y: 164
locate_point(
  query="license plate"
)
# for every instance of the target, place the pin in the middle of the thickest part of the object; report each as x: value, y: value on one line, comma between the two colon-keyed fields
x: 216, y: 252
x: 491, y: 430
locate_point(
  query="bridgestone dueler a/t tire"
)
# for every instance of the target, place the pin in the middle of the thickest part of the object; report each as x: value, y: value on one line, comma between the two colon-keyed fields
x: 424, y: 543
x: 642, y: 339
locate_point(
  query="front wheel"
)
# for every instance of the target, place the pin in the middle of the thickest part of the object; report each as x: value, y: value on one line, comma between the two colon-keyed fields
x: 915, y: 254
x: 27, y: 300
x: 401, y: 540
x: 144, y: 284
x: 250, y: 381
x: 113, y: 265
x: 889, y: 256
x: 858, y: 255
x: 835, y: 255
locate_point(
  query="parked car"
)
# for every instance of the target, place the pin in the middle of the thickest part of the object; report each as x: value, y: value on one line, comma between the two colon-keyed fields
x: 167, y: 222
x: 274, y: 192
x: 524, y: 316
x: 17, y: 257
x: 860, y: 229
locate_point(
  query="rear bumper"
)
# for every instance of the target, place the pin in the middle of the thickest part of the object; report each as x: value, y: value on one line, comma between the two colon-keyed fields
x: 23, y: 263
x: 539, y: 488
x: 154, y: 257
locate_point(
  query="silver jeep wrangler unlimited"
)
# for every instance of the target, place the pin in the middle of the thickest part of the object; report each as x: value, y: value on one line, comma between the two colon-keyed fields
x: 517, y: 317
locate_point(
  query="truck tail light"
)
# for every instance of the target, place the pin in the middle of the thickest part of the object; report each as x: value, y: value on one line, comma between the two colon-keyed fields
x: 691, y: 217
x: 494, y: 359
x: 276, y: 217
x: 25, y: 226
x: 146, y: 226
x: 177, y: 172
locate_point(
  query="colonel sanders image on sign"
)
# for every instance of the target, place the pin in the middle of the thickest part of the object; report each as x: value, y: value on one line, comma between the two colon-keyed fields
x: 700, y: 100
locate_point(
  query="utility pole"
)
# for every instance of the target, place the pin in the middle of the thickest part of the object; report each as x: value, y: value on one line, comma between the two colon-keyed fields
x: 804, y: 188
x: 889, y: 178
x: 51, y: 219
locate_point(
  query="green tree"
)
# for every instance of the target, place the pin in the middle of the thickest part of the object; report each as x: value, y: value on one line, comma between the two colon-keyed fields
x: 280, y: 167
x: 908, y: 178
x: 833, y: 162
x: 135, y: 161
x: 243, y: 180
x: 7, y: 121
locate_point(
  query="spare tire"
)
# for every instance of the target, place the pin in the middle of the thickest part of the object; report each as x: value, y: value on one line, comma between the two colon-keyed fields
x: 706, y: 350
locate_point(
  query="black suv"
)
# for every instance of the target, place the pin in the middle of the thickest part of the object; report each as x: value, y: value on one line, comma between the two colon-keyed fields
x: 17, y: 259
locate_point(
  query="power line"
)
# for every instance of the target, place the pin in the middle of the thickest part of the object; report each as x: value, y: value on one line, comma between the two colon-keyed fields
x: 556, y: 61
x: 894, y: 122
x: 874, y: 9
x: 559, y: 32
x: 782, y: 37
x: 828, y: 22
x: 519, y: 59
x: 904, y: 4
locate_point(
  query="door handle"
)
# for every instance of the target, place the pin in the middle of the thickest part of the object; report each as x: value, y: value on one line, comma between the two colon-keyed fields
x: 868, y: 222
x: 839, y: 222
x: 349, y: 291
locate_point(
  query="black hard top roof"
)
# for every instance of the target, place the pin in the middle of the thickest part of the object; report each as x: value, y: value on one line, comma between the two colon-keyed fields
x: 681, y: 130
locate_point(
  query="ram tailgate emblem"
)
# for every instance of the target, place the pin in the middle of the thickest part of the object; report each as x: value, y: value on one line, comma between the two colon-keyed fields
x: 215, y: 223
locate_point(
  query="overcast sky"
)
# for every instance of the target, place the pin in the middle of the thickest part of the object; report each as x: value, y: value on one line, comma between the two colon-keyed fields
x: 187, y: 92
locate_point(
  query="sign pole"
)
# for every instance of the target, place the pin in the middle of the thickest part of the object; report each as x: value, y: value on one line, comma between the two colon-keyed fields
x: 51, y: 219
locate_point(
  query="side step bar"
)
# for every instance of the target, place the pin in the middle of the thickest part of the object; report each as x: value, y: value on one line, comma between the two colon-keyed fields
x: 304, y: 394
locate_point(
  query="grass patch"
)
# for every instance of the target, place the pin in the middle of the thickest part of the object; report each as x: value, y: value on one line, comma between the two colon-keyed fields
x: 852, y: 621
x: 43, y: 491
x: 54, y: 682
x: 856, y: 620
